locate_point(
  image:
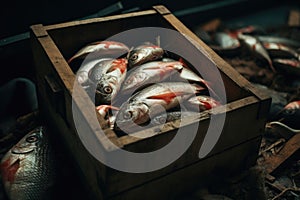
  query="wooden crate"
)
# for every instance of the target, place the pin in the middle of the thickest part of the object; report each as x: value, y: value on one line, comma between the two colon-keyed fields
x: 235, y: 150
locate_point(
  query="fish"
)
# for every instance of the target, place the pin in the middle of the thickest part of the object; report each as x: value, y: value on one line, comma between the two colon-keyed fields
x: 144, y: 53
x: 82, y: 74
x: 226, y: 41
x: 151, y: 101
x: 287, y: 66
x: 106, y: 112
x: 99, y: 49
x: 107, y: 77
x: 28, y: 169
x: 279, y: 40
x: 254, y: 45
x: 202, y: 103
x: 281, y: 50
x: 170, y: 116
x: 157, y: 71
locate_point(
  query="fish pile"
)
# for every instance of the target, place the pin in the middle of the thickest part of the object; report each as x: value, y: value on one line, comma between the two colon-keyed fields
x: 27, y: 169
x: 267, y: 57
x: 142, y: 85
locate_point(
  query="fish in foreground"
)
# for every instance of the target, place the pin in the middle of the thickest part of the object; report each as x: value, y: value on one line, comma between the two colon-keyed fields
x: 144, y: 53
x: 290, y: 114
x: 202, y: 103
x: 151, y: 101
x: 99, y: 49
x: 157, y: 71
x: 28, y: 169
x: 106, y: 112
x: 256, y: 46
x: 108, y: 76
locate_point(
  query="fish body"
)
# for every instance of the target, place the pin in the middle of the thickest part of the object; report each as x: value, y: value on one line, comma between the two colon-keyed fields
x: 99, y: 49
x: 226, y: 41
x: 289, y: 115
x: 106, y: 112
x: 279, y: 40
x: 280, y: 50
x: 202, y: 103
x: 27, y: 169
x: 254, y: 45
x: 83, y: 73
x: 108, y: 76
x: 170, y: 116
x: 153, y: 100
x: 288, y: 66
x: 143, y: 54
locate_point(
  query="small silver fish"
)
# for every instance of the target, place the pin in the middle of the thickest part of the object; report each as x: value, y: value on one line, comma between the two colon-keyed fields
x: 99, y: 49
x: 202, y: 103
x: 108, y: 76
x: 254, y: 45
x: 143, y: 54
x: 170, y: 116
x: 83, y: 73
x: 281, y: 50
x: 156, y: 71
x: 28, y: 169
x: 226, y: 41
x: 151, y: 101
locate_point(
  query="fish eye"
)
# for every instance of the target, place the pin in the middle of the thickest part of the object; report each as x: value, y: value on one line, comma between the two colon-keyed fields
x: 290, y: 111
x: 127, y: 115
x: 32, y: 139
x: 134, y: 57
x: 107, y: 89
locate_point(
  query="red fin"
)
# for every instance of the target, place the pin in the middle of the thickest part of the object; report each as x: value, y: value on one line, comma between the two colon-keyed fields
x: 9, y: 170
x: 182, y: 62
x: 167, y: 97
x: 120, y: 64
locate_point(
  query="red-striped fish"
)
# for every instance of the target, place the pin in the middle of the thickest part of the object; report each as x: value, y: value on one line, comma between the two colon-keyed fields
x: 143, y: 54
x: 106, y: 112
x: 151, y: 101
x: 108, y: 76
x: 202, y: 103
x: 101, y: 49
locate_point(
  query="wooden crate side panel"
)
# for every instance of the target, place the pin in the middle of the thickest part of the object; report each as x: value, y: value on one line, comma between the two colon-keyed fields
x: 200, y: 174
x: 234, y: 124
x: 57, y: 122
x: 71, y: 38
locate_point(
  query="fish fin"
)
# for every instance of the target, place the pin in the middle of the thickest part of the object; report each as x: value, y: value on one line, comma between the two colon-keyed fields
x: 182, y: 62
x: 9, y: 170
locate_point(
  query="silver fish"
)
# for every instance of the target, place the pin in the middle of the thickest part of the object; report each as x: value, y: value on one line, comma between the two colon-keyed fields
x: 156, y: 71
x: 226, y: 41
x: 108, y: 76
x: 83, y: 73
x: 28, y: 169
x: 281, y: 50
x: 280, y: 40
x: 202, y: 103
x: 151, y: 101
x: 170, y: 116
x: 256, y: 46
x: 99, y: 49
x: 143, y: 54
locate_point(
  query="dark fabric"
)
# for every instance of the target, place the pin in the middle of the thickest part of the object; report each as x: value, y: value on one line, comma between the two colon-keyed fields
x: 17, y: 97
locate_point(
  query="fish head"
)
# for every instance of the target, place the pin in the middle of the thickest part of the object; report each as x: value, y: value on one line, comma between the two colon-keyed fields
x: 106, y: 89
x: 131, y: 115
x: 29, y: 143
x: 134, y: 80
x: 143, y: 54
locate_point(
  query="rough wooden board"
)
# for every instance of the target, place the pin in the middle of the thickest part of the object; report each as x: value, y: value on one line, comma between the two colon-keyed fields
x: 288, y: 150
x: 294, y: 18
